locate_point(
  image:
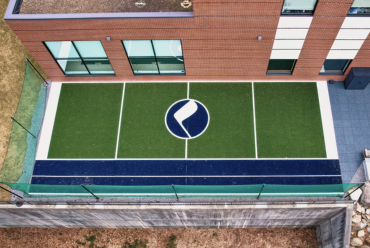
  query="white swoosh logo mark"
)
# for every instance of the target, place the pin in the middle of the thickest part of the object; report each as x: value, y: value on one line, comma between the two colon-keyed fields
x: 185, y: 112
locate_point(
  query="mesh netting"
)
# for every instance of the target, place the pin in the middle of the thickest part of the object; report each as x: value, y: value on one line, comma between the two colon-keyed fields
x: 20, y: 156
x: 42, y: 190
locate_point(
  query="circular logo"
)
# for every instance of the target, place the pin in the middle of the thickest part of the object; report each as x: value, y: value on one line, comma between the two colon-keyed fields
x: 187, y: 119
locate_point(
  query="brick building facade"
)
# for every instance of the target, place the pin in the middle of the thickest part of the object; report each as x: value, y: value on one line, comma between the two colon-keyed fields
x: 220, y: 42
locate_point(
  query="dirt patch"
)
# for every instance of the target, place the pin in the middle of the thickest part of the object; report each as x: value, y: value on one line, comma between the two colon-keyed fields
x: 140, y: 238
x: 100, y: 6
x: 12, y: 67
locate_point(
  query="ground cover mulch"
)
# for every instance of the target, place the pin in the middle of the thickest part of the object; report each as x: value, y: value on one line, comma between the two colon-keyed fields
x: 140, y: 238
x: 100, y: 6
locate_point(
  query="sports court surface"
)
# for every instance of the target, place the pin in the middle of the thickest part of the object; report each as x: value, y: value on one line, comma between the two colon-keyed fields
x: 215, y: 133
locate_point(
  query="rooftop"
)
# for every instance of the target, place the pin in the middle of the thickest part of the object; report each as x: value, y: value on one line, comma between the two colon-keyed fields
x: 99, y: 6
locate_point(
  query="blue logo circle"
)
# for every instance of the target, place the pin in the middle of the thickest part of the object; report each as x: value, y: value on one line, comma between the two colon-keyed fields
x: 187, y: 119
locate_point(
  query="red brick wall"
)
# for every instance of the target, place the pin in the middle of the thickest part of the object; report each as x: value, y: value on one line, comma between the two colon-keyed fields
x: 219, y: 43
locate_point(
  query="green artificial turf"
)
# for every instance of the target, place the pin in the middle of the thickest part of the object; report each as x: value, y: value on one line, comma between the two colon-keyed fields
x: 230, y: 133
x: 288, y: 121
x: 143, y: 130
x: 86, y: 123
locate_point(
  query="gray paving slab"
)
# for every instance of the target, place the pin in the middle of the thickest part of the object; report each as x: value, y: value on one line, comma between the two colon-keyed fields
x: 351, y: 115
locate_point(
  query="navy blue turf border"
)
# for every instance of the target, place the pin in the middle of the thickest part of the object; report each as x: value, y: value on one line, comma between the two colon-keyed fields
x: 161, y: 172
x: 185, y: 181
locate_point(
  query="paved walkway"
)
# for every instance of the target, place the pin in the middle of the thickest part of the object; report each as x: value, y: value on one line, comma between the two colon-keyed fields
x: 351, y: 114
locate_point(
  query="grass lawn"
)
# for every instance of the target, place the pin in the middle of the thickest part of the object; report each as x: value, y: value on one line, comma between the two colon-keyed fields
x: 15, y: 158
x: 143, y: 130
x: 86, y: 123
x: 12, y: 68
x: 288, y: 121
x: 230, y: 133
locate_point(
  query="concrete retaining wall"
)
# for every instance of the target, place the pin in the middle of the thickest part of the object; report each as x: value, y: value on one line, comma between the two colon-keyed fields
x: 331, y: 220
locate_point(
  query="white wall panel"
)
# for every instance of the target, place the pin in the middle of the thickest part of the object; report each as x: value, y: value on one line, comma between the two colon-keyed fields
x: 352, y: 34
x: 342, y: 54
x: 356, y: 22
x: 285, y: 54
x: 347, y: 44
x: 288, y: 44
x: 295, y: 21
x: 289, y: 34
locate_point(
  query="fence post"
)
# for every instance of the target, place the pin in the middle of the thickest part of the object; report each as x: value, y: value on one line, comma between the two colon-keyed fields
x: 23, y: 127
x: 37, y: 71
x: 11, y: 192
x: 354, y: 190
x: 260, y: 192
x: 175, y: 192
x: 97, y: 198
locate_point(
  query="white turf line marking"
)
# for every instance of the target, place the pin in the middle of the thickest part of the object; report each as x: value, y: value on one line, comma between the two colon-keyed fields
x: 190, y: 176
x: 188, y: 90
x: 120, y: 119
x: 327, y: 120
x: 186, y: 140
x: 254, y: 121
x: 139, y: 159
x: 186, y: 148
x: 48, y: 123
x: 196, y: 81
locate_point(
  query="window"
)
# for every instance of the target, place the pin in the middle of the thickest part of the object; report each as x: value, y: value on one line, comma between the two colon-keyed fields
x: 360, y: 7
x: 80, y: 58
x: 281, y: 66
x: 298, y: 7
x: 155, y: 57
x: 335, y: 66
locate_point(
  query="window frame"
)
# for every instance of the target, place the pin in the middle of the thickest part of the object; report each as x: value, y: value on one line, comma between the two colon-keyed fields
x: 80, y: 58
x: 349, y: 61
x: 156, y: 61
x: 281, y: 74
x: 298, y: 14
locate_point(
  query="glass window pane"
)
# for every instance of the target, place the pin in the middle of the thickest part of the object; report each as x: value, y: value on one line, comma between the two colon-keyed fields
x: 360, y: 7
x: 361, y: 3
x: 73, y: 66
x: 99, y: 66
x: 334, y: 66
x: 167, y: 48
x: 138, y: 48
x: 280, y: 65
x: 298, y: 6
x: 144, y: 66
x: 62, y: 49
x: 90, y: 49
x: 171, y: 65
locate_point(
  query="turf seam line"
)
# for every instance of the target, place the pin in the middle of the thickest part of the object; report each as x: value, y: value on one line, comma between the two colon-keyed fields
x: 120, y: 119
x: 254, y: 122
